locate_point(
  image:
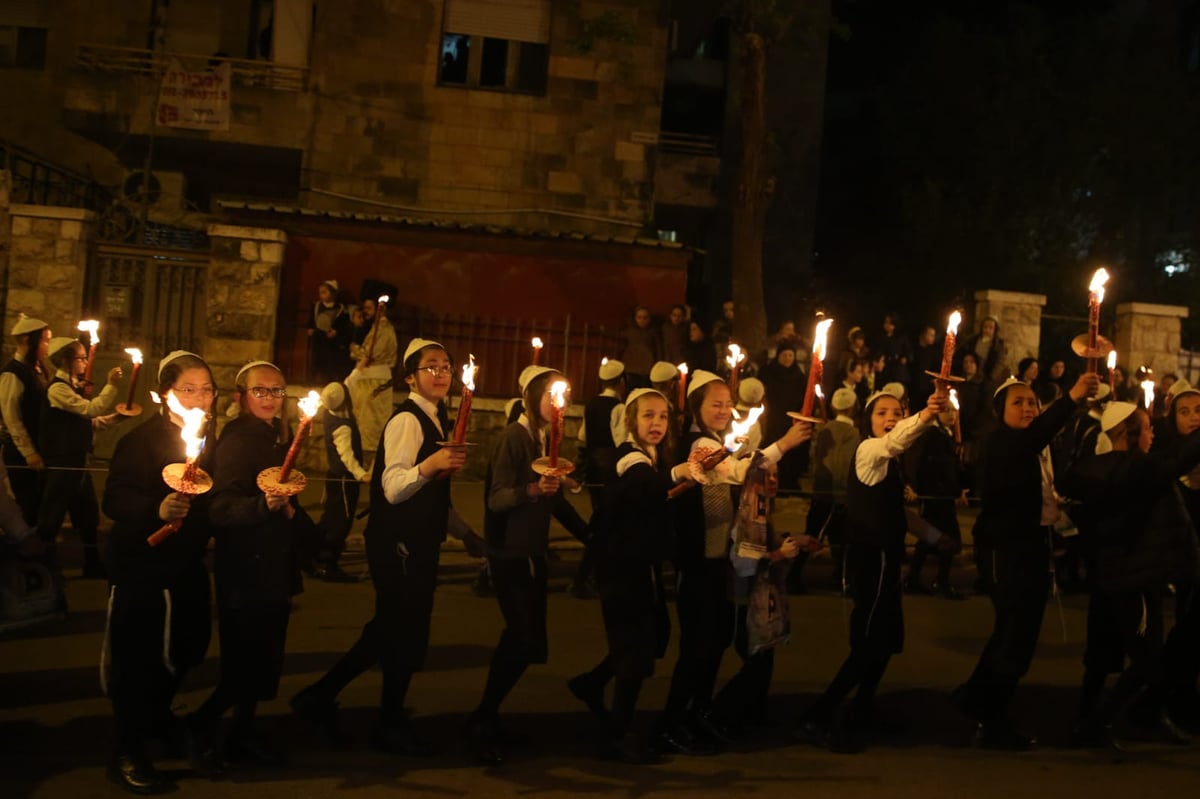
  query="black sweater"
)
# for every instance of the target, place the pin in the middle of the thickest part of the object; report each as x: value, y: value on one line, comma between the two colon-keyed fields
x: 638, y: 523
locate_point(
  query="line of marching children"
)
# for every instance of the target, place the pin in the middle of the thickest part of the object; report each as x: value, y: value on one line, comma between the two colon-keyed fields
x: 671, y: 494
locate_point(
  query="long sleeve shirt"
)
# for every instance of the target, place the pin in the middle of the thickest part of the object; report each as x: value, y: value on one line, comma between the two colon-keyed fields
x: 343, y: 439
x: 873, y: 454
x: 65, y: 398
x: 11, y: 391
x: 383, y: 352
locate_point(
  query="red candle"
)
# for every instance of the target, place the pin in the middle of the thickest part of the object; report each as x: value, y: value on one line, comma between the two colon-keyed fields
x: 380, y: 310
x: 683, y: 373
x: 817, y: 367
x: 536, y: 342
x: 136, y: 356
x: 92, y: 328
x: 558, y: 396
x: 464, y: 407
x: 308, y: 409
x: 957, y: 426
x: 1095, y: 297
x: 950, y: 342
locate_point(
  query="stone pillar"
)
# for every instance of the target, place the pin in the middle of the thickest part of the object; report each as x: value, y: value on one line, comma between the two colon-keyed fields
x: 243, y: 296
x: 1148, y: 335
x: 48, y: 256
x: 1020, y: 318
x: 5, y: 237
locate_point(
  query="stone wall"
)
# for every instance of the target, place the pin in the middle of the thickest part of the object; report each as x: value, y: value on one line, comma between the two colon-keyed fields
x: 5, y: 235
x: 243, y: 298
x: 1149, y: 335
x: 1020, y: 318
x: 48, y: 254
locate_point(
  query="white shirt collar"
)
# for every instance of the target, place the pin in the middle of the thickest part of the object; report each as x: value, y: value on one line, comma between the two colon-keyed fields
x: 610, y: 392
x: 841, y: 417
x: 429, y: 408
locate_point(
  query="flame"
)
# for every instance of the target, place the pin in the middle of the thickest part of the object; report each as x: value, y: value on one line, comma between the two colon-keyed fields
x: 309, y: 405
x: 741, y: 427
x: 954, y: 398
x: 468, y: 374
x: 952, y: 325
x: 735, y: 356
x: 603, y: 361
x: 558, y: 393
x: 683, y: 369
x: 92, y: 328
x: 1148, y: 393
x: 817, y: 390
x: 536, y: 342
x: 135, y: 355
x: 157, y: 400
x: 193, y: 425
x: 383, y: 300
x: 1099, y: 278
x: 819, y: 345
x: 1112, y: 359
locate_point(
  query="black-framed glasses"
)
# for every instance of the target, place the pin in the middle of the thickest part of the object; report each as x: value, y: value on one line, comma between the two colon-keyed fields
x: 436, y: 371
x: 262, y: 392
x: 190, y: 391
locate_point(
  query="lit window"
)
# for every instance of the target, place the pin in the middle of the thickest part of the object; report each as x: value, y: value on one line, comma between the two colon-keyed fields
x: 495, y: 44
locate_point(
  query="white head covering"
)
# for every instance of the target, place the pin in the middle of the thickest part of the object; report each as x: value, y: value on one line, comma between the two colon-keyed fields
x: 751, y: 392
x: 252, y: 365
x: 844, y: 399
x: 332, y: 396
x: 530, y: 373
x: 871, y: 399
x: 173, y: 355
x: 58, y: 342
x: 1181, y: 387
x: 27, y: 324
x: 662, y: 372
x: 418, y: 344
x: 641, y: 392
x: 700, y: 378
x: 895, y: 389
x: 611, y: 369
x: 333, y: 285
x: 1102, y: 393
x: 1114, y: 414
x: 1011, y: 381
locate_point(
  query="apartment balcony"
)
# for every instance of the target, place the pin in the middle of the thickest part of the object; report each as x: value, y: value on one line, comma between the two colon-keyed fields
x: 138, y: 61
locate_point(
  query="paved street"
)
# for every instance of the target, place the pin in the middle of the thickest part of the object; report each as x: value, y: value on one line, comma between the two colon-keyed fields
x: 54, y: 724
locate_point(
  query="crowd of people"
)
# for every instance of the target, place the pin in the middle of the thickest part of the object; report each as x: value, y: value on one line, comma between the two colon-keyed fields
x: 673, y: 502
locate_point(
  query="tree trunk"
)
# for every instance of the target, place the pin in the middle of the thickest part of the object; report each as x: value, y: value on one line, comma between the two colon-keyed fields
x: 750, y: 204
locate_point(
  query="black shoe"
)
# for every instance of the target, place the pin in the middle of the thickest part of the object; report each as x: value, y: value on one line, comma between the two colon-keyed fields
x: 481, y: 586
x: 1159, y: 727
x: 172, y: 731
x: 947, y: 591
x: 138, y: 776
x: 679, y: 740
x: 960, y: 699
x: 400, y: 739
x: 813, y: 733
x: 1000, y: 734
x: 707, y: 724
x: 585, y: 689
x: 203, y: 755
x: 482, y: 744
x: 847, y: 739
x: 314, y: 571
x: 320, y: 711
x: 334, y: 574
x: 1087, y: 735
x: 633, y: 751
x: 251, y: 748
x: 915, y: 587
x: 583, y: 589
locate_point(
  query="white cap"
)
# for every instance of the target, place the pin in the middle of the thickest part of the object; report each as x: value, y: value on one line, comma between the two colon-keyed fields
x: 896, y: 390
x: 751, y: 392
x: 1180, y: 387
x: 333, y: 284
x: 844, y: 399
x: 418, y: 344
x: 530, y: 373
x: 253, y: 365
x: 1011, y: 381
x: 332, y: 396
x: 173, y: 355
x: 662, y: 372
x: 611, y: 369
x: 27, y: 324
x: 1114, y: 414
x: 877, y: 395
x: 58, y: 342
x: 700, y: 378
x: 641, y: 392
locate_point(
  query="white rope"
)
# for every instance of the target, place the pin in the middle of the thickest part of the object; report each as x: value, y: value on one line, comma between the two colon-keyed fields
x: 878, y: 591
x: 166, y: 651
x: 105, y: 652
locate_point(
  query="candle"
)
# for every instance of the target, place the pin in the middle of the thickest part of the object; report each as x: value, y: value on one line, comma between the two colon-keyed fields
x: 1148, y: 394
x: 817, y: 367
x: 957, y: 425
x: 949, y: 343
x: 741, y: 428
x: 380, y: 310
x: 308, y: 409
x: 193, y: 441
x: 464, y: 407
x: 734, y: 360
x: 1112, y: 373
x: 558, y: 398
x: 683, y: 373
x: 92, y: 328
x: 136, y: 356
x: 537, y: 349
x: 1095, y: 297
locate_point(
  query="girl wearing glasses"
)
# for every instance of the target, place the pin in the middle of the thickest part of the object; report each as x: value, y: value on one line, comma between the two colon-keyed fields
x: 259, y: 539
x: 410, y: 516
x: 159, y: 620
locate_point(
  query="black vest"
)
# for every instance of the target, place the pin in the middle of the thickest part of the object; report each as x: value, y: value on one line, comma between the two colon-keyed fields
x: 64, y: 438
x: 597, y: 415
x: 31, y: 398
x: 876, y: 513
x: 424, y: 513
x: 336, y: 467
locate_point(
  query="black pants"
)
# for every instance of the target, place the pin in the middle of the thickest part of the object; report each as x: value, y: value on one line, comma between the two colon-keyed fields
x: 944, y: 517
x: 253, y: 639
x: 397, y: 636
x: 143, y: 679
x: 1138, y: 616
x: 705, y: 632
x: 521, y: 592
x: 23, y: 481
x: 1022, y: 585
x: 337, y: 517
x: 1181, y: 654
x: 744, y: 697
x: 636, y: 623
x: 64, y: 492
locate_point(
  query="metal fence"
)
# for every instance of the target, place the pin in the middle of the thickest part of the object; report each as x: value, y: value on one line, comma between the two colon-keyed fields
x: 38, y: 182
x: 141, y: 61
x: 1189, y: 366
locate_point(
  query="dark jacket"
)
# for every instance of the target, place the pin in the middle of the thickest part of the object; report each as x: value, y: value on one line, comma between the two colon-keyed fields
x: 132, y: 493
x: 875, y: 514
x: 785, y: 392
x: 64, y: 438
x: 1145, y: 536
x: 638, y: 527
x: 423, y: 515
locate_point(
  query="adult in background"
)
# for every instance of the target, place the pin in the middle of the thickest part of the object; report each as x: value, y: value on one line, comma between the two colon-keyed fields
x: 370, y: 381
x: 785, y: 383
x: 700, y: 351
x: 642, y: 348
x: 896, y: 349
x: 991, y: 350
x: 22, y: 391
x: 926, y: 358
x: 675, y: 335
x: 329, y: 330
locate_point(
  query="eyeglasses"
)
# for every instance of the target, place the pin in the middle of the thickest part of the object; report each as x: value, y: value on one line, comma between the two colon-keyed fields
x: 188, y: 391
x: 262, y: 392
x: 436, y: 371
x: 80, y: 358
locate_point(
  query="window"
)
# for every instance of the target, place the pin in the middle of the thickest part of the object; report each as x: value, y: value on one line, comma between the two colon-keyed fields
x: 496, y: 44
x: 23, y: 48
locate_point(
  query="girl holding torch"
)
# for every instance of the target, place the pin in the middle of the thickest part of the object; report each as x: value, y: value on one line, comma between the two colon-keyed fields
x: 410, y: 516
x: 159, y: 620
